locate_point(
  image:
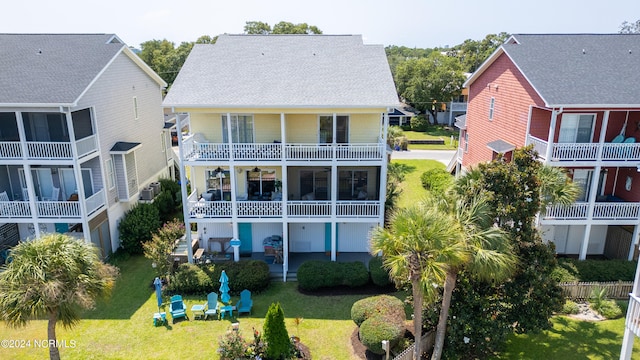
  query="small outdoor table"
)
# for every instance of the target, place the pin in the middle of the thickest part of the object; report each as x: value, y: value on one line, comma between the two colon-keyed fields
x: 159, y: 318
x: 198, y: 311
x: 227, y: 309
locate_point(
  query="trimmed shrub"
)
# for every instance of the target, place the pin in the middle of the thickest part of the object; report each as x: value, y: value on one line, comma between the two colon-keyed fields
x: 190, y: 279
x: 166, y: 205
x: 570, y: 307
x: 137, y: 226
x: 420, y: 123
x: 596, y: 270
x: 173, y: 188
x: 379, y: 275
x: 275, y: 333
x: 436, y: 180
x: 252, y: 275
x: 316, y: 274
x: 382, y: 305
x: 378, y: 328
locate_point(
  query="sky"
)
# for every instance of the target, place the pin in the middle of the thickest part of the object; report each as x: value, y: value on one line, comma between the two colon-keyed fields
x: 411, y: 23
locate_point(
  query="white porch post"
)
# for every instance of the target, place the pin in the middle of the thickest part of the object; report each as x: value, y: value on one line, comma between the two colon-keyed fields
x: 285, y: 198
x: 593, y: 193
x: 629, y: 336
x: 77, y: 171
x: 634, y: 241
x: 183, y: 191
x: 552, y: 133
x: 383, y: 170
x: 285, y: 250
x: 234, y: 210
x: 334, y: 197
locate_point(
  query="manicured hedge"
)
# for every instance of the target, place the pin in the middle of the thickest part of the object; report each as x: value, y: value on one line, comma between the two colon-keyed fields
x: 382, y: 305
x: 436, y: 180
x: 378, y: 328
x: 190, y: 279
x: 570, y: 270
x: 316, y: 274
x: 252, y: 275
x: 379, y: 275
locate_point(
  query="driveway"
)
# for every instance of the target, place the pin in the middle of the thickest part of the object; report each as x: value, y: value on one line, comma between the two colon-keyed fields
x: 444, y: 156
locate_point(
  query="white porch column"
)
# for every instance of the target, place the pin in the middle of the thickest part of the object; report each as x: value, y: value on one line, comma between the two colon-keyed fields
x: 593, y: 193
x: 552, y: 133
x: 234, y: 208
x: 634, y: 241
x: 334, y: 197
x: 183, y: 192
x: 629, y: 336
x: 285, y: 250
x: 383, y: 170
x: 77, y: 172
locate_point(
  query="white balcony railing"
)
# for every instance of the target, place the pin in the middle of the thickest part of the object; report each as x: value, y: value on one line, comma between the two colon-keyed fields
x: 10, y: 150
x: 58, y: 209
x: 601, y: 211
x: 259, y: 208
x: 358, y: 208
x: 309, y: 208
x: 95, y: 201
x: 587, y: 151
x: 209, y: 209
x: 49, y: 150
x: 196, y: 151
x: 15, y: 209
x: 632, y: 321
x: 86, y: 145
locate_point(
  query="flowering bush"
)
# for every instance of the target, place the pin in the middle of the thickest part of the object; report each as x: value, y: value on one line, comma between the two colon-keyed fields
x: 232, y: 346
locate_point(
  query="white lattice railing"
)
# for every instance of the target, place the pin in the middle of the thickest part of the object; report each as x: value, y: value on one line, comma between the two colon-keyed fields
x: 58, y: 209
x: 587, y: 151
x: 309, y: 208
x: 86, y: 145
x: 621, y: 151
x: 575, y: 151
x: 10, y: 150
x: 633, y: 315
x: 95, y: 201
x: 208, y: 209
x: 259, y: 208
x: 15, y: 209
x: 49, y: 150
x: 358, y: 208
x: 269, y: 151
x: 601, y: 211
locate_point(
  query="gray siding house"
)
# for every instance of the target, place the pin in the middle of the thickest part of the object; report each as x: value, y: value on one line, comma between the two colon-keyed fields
x: 81, y: 133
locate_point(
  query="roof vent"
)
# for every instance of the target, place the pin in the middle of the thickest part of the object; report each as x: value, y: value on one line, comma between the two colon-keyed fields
x: 584, y: 51
x: 39, y: 52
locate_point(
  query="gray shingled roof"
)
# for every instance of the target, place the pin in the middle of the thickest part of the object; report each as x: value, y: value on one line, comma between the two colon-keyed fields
x: 51, y: 68
x: 285, y: 71
x: 580, y: 69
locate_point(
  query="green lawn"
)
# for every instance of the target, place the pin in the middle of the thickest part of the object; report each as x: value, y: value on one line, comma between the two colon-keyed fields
x: 433, y: 133
x: 122, y: 328
x: 571, y: 339
x: 412, y: 189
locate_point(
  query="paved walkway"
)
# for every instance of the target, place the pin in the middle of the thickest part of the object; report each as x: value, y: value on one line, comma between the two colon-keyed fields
x: 444, y: 156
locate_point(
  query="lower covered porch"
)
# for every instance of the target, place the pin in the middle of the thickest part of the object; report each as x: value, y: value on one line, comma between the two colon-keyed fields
x: 587, y: 241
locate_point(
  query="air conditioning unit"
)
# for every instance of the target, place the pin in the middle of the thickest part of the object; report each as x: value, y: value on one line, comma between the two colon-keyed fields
x: 156, y: 188
x: 146, y: 194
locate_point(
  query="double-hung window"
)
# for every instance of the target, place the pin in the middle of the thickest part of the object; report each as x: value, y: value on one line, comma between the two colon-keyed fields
x: 326, y: 129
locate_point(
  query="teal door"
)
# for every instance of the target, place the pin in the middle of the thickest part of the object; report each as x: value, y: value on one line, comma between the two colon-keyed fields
x: 246, y: 239
x: 327, y: 237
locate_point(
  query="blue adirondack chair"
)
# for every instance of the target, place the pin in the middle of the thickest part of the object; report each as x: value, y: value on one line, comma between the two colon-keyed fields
x: 212, y: 305
x: 245, y: 303
x: 178, y: 308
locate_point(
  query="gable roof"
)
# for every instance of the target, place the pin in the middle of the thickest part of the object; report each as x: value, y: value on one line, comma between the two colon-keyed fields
x: 577, y: 70
x: 267, y: 71
x: 56, y: 69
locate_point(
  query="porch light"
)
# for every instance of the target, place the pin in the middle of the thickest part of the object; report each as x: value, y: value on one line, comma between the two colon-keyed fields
x: 256, y: 169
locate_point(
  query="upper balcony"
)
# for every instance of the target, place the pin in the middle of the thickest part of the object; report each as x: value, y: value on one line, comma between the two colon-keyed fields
x: 205, y: 151
x: 586, y: 137
x: 606, y: 213
x: 46, y: 136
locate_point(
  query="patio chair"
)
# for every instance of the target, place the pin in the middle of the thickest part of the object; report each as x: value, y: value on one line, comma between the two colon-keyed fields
x: 178, y: 308
x: 245, y: 303
x: 212, y: 305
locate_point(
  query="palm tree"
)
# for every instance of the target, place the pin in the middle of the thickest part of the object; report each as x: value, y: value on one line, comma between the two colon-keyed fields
x: 419, y: 245
x: 53, y: 277
x: 431, y: 242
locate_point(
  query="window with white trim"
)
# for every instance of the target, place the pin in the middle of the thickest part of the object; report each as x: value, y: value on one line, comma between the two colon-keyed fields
x: 241, y: 129
x: 111, y: 175
x: 466, y: 142
x: 492, y: 104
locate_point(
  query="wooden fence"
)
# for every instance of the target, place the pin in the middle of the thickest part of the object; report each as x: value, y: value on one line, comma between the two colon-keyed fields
x: 428, y: 340
x: 582, y: 290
